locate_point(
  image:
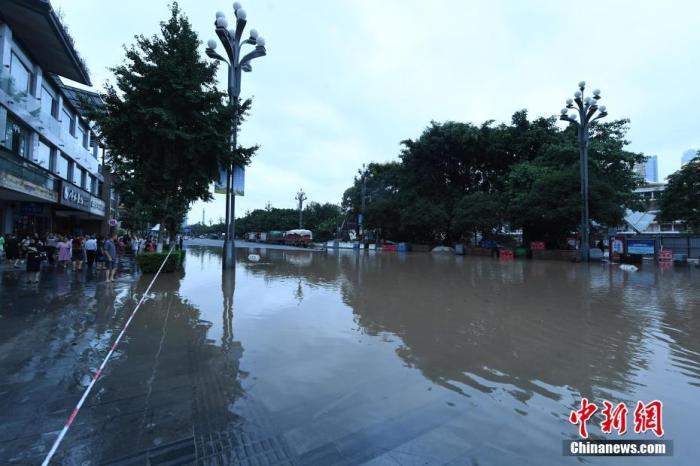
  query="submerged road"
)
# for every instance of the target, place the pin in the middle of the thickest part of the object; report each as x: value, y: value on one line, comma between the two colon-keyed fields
x: 343, y: 358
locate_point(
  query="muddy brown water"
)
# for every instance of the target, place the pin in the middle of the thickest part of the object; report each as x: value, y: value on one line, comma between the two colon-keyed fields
x: 346, y: 358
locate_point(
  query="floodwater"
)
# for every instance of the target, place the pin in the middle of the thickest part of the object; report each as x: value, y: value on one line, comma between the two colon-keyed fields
x: 349, y: 358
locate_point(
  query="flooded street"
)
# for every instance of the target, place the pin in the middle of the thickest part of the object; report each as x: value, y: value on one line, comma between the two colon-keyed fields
x: 345, y: 358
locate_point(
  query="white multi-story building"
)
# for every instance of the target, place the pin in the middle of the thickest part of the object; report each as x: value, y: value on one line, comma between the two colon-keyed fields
x: 649, y: 169
x: 50, y: 170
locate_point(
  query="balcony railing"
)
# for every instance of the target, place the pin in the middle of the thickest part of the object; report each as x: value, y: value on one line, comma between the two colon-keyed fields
x: 21, y: 175
x: 29, y: 109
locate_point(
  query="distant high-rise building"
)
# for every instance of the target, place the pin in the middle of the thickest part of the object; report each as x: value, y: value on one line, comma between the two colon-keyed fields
x: 649, y: 169
x: 688, y: 155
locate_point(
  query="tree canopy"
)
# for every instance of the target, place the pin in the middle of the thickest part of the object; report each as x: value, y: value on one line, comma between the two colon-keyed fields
x: 681, y: 198
x: 461, y: 178
x: 166, y: 124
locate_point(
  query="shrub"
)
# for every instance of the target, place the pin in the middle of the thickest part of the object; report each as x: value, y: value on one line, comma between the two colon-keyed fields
x: 149, y: 262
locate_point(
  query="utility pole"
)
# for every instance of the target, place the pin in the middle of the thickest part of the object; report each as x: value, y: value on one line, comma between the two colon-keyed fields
x: 361, y: 220
x: 301, y: 197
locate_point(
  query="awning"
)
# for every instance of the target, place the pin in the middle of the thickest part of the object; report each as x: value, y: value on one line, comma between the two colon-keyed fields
x: 36, y: 27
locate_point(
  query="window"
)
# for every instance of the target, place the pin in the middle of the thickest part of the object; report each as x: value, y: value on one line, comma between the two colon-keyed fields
x: 99, y: 188
x: 77, y: 175
x: 82, y: 136
x: 93, y: 185
x: 43, y: 155
x: 83, y: 179
x: 16, y: 137
x: 67, y: 122
x: 21, y: 77
x: 49, y: 104
x: 61, y: 166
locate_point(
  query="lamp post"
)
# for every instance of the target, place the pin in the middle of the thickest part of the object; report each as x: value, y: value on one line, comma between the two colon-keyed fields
x: 587, y: 110
x: 231, y: 40
x: 363, y: 179
x: 301, y: 197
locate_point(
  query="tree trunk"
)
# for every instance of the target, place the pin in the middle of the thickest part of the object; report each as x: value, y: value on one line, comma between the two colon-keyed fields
x: 159, y: 243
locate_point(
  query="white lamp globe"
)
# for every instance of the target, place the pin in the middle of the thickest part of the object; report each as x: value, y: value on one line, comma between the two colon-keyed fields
x: 596, y: 92
x: 602, y: 108
x: 582, y: 84
x: 241, y: 14
x: 260, y: 42
x: 236, y: 6
x: 577, y: 94
x: 220, y: 14
x: 211, y: 43
x: 569, y: 101
x: 221, y: 22
x: 254, y: 33
x: 572, y: 116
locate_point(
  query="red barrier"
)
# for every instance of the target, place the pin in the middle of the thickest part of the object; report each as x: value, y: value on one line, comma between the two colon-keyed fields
x: 666, y: 255
x: 537, y: 245
x: 506, y: 254
x: 390, y: 248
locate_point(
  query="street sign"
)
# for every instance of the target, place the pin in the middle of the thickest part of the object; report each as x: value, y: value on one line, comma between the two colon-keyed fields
x: 220, y: 184
x: 112, y: 222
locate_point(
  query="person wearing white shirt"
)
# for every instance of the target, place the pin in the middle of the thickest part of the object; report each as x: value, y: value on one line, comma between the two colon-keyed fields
x: 91, y: 251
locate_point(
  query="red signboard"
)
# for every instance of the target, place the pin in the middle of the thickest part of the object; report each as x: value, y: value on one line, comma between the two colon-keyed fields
x: 537, y: 245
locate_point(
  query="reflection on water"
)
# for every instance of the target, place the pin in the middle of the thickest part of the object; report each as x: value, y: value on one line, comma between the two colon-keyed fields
x: 342, y: 344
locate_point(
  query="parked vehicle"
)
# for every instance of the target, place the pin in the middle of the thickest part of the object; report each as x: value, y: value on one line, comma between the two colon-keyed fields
x: 298, y: 238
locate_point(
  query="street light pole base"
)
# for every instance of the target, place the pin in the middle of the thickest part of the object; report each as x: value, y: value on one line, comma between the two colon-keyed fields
x: 229, y: 255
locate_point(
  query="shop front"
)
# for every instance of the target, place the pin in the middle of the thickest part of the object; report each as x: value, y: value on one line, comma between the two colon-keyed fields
x: 79, y: 212
x: 27, y: 196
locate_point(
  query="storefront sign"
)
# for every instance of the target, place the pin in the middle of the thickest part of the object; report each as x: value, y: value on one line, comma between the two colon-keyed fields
x: 617, y: 247
x: 74, y: 197
x: 640, y: 246
x: 97, y: 206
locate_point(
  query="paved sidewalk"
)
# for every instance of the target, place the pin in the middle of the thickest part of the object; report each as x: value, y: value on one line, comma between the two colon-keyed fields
x: 165, y: 397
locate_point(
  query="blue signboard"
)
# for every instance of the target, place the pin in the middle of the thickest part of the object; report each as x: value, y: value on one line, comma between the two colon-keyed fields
x: 238, y: 180
x: 640, y: 246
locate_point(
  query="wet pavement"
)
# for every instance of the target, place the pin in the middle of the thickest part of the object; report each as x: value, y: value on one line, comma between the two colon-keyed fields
x: 344, y: 358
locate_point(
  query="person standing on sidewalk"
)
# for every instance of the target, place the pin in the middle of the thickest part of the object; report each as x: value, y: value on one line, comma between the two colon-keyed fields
x: 135, y: 245
x: 63, y: 251
x: 51, y: 245
x: 91, y: 251
x: 110, y: 252
x: 35, y: 256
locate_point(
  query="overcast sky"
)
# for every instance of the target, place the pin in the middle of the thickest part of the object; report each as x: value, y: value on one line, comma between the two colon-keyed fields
x: 346, y: 80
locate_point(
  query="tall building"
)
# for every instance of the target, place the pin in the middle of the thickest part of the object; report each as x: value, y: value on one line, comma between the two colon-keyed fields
x: 688, y: 155
x: 649, y: 169
x: 50, y: 159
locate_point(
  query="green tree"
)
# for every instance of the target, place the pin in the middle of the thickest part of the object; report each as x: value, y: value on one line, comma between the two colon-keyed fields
x: 166, y: 124
x: 681, y: 198
x: 478, y: 212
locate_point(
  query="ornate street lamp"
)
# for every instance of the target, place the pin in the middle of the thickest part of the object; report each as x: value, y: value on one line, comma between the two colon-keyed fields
x: 301, y: 197
x: 586, y: 111
x: 231, y: 40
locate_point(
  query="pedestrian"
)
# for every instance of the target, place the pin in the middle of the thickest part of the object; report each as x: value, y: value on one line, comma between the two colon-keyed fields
x: 91, y: 251
x: 35, y: 255
x: 100, y: 259
x: 64, y: 252
x: 77, y: 253
x: 135, y: 245
x: 51, y: 245
x: 12, y: 250
x: 2, y: 246
x: 110, y: 252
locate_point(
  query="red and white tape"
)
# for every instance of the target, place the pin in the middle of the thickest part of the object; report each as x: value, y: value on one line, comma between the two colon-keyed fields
x: 96, y: 375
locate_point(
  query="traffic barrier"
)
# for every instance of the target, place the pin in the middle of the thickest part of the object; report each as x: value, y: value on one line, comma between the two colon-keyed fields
x: 506, y: 254
x: 666, y: 255
x: 389, y: 248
